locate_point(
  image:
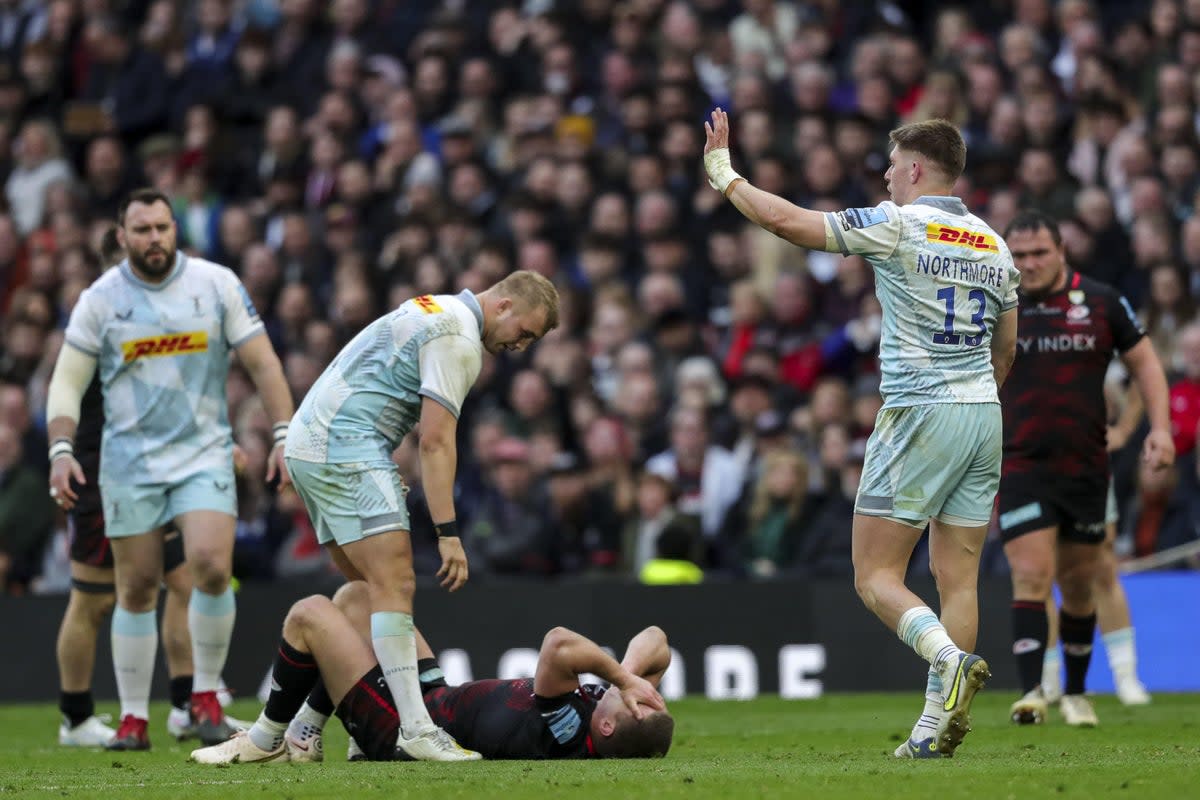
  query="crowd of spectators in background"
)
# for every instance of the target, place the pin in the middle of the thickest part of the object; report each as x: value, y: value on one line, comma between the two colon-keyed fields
x: 704, y: 406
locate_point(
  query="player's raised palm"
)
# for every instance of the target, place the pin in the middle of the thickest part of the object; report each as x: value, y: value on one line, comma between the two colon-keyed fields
x: 716, y: 134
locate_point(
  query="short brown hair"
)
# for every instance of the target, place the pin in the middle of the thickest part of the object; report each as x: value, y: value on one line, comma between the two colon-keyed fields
x: 146, y: 196
x: 937, y: 140
x: 532, y: 289
x: 649, y: 737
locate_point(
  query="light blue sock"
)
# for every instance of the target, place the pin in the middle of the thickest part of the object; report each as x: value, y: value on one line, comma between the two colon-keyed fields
x: 134, y: 643
x: 920, y: 629
x: 210, y: 619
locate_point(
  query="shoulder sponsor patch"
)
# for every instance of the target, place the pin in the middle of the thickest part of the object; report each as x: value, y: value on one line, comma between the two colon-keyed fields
x: 960, y: 237
x: 861, y: 217
x: 427, y: 304
x: 246, y: 301
x: 170, y: 344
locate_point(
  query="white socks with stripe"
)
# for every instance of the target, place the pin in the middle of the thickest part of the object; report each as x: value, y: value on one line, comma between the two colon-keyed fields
x: 134, y: 643
x: 396, y: 648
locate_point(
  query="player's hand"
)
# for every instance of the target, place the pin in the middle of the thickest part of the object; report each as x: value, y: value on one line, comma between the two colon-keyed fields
x: 276, y: 466
x: 62, y: 470
x: 1115, y: 438
x: 639, y: 694
x: 1158, y: 452
x: 716, y: 134
x: 454, y: 563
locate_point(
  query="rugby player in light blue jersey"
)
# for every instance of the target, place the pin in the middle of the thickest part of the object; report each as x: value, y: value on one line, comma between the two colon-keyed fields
x: 160, y: 327
x: 948, y: 289
x: 412, y: 366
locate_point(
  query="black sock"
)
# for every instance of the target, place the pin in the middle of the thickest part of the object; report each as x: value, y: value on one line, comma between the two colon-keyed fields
x: 319, y: 700
x: 429, y: 672
x: 1077, y: 636
x: 181, y: 691
x: 1030, y: 629
x: 76, y: 706
x: 294, y: 673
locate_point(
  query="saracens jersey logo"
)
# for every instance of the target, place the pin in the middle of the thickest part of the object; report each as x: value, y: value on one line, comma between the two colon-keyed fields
x: 170, y: 344
x: 946, y: 234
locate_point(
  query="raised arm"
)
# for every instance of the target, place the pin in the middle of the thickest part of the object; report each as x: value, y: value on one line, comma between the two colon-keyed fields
x: 565, y: 655
x: 648, y: 655
x: 800, y: 226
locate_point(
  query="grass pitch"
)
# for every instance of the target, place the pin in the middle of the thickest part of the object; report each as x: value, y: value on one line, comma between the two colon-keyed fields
x: 838, y: 747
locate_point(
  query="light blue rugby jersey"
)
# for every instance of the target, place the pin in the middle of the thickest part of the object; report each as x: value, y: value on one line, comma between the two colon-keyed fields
x: 943, y: 277
x: 369, y: 397
x: 162, y: 352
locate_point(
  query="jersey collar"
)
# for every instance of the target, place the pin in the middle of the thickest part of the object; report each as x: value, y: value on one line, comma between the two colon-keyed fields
x: 176, y: 271
x: 952, y: 205
x: 472, y: 302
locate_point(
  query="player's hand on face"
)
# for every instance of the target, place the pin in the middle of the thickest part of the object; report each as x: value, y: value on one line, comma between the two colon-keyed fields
x: 1158, y: 452
x: 276, y: 466
x: 716, y: 133
x: 640, y: 695
x: 454, y: 563
x: 62, y: 470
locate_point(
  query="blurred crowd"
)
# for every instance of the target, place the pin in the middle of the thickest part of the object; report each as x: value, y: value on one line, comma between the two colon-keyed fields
x: 703, y: 408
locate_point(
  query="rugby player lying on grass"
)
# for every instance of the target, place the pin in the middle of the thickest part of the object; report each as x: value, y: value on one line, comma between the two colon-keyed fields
x: 548, y: 716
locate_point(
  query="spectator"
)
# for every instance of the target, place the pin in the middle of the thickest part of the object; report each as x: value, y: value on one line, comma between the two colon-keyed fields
x: 39, y: 165
x: 26, y: 515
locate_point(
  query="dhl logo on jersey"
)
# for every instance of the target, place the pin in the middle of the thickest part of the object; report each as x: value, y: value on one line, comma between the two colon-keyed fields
x: 170, y: 344
x: 427, y: 304
x: 946, y: 234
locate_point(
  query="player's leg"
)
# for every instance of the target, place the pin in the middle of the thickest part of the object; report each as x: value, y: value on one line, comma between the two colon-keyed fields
x: 1116, y: 624
x: 204, y: 507
x: 138, y: 571
x: 316, y: 636
x: 1030, y: 547
x: 362, y: 510
x: 1052, y: 660
x: 91, y: 601
x: 304, y: 733
x: 1079, y: 559
x: 176, y: 640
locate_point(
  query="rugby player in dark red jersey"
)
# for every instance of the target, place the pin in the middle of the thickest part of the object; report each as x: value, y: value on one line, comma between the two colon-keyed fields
x: 1054, y: 484
x: 549, y: 716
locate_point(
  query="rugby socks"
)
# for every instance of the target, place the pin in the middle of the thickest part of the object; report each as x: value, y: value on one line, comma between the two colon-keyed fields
x: 210, y: 618
x: 926, y: 726
x: 396, y: 648
x: 920, y: 629
x: 1052, y: 671
x: 1030, y: 627
x: 1077, y: 634
x: 76, y: 707
x: 181, y: 692
x: 134, y: 643
x: 1122, y: 653
x: 319, y: 700
x: 292, y: 678
x: 307, y: 723
x: 429, y: 672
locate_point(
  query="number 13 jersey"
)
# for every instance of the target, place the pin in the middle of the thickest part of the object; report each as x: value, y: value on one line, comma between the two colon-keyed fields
x: 942, y: 277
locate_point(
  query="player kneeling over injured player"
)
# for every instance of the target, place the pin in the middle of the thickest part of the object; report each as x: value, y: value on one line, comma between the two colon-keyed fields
x: 550, y: 715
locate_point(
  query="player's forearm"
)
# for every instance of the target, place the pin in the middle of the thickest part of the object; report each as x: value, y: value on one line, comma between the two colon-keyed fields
x: 61, y: 428
x: 268, y: 378
x: 800, y: 226
x: 439, y: 460
x: 648, y: 654
x: 72, y: 373
x: 1152, y: 384
x: 1131, y: 413
x: 1001, y: 366
x: 576, y: 654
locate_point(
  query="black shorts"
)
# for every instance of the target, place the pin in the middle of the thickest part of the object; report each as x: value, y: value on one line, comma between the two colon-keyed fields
x: 369, y: 714
x: 1079, y: 511
x: 90, y: 546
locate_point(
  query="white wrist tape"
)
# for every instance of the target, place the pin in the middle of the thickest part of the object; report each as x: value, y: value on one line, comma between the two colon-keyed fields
x: 61, y: 447
x: 720, y: 170
x: 280, y: 430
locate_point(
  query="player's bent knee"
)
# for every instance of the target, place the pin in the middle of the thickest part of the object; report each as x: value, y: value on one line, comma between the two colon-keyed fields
x: 305, y: 612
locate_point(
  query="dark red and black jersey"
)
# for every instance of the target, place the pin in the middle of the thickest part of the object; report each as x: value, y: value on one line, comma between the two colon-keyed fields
x: 1053, y: 400
x: 505, y: 719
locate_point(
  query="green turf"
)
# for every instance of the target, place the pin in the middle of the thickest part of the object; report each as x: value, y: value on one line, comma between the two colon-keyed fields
x: 836, y: 747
